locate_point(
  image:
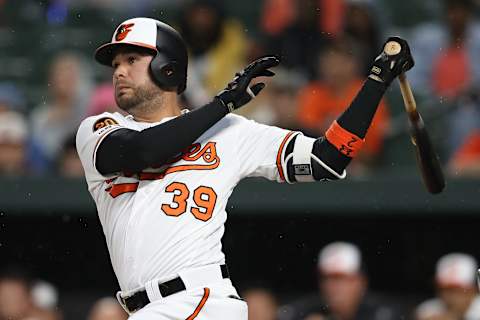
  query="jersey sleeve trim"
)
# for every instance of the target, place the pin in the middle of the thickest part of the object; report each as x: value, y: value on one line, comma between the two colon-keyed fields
x: 281, y: 151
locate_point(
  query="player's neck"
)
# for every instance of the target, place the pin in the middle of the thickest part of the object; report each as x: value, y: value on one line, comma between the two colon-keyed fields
x: 164, y: 106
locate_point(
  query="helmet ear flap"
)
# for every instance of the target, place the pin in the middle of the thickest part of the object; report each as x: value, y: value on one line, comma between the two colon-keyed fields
x: 165, y: 73
x: 169, y: 66
x: 169, y: 70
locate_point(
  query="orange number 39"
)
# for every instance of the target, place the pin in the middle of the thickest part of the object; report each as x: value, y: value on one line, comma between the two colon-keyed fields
x: 204, y: 198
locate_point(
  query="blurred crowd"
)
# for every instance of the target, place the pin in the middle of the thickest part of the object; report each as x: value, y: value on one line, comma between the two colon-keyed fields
x: 23, y: 297
x: 326, y: 48
x: 343, y: 294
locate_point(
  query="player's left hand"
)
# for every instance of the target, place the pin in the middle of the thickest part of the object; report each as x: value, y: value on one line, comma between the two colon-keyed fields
x: 239, y: 92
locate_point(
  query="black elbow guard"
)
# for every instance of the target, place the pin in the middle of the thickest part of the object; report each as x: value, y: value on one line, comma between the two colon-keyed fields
x: 332, y: 160
x: 307, y: 159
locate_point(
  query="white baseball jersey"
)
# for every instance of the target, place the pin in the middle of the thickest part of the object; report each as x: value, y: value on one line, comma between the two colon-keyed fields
x: 171, y: 218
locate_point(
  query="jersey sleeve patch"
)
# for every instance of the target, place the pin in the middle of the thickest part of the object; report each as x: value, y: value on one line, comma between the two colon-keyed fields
x: 103, y: 123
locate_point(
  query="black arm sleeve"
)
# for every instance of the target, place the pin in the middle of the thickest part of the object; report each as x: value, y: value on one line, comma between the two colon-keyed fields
x: 127, y: 150
x: 356, y: 119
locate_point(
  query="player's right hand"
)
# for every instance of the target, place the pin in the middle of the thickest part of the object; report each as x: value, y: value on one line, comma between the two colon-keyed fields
x: 239, y: 92
x: 395, y: 59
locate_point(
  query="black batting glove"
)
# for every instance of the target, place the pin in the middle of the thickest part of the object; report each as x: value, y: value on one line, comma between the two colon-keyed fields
x: 239, y: 92
x: 394, y: 60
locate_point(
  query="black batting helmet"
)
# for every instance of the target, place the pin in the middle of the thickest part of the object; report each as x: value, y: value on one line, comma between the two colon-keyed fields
x: 169, y: 66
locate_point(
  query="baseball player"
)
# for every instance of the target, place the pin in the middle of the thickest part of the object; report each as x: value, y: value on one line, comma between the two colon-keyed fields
x: 161, y: 176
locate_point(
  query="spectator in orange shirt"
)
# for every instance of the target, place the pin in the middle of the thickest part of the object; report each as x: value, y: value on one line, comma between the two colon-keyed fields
x: 323, y: 100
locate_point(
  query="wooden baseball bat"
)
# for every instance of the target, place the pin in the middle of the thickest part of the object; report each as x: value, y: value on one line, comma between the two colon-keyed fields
x: 427, y: 159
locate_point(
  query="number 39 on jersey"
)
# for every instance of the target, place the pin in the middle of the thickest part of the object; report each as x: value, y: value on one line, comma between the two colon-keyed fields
x: 203, y: 198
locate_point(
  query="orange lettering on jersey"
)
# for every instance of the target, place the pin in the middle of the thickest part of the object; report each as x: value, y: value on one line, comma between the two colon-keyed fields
x: 189, y: 154
x: 161, y: 175
x: 193, y: 153
x: 208, y: 153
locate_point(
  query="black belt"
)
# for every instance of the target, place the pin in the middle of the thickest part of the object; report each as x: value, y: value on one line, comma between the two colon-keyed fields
x: 140, y: 298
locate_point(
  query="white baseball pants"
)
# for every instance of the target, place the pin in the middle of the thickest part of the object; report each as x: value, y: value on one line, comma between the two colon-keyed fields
x: 207, y: 296
x: 219, y: 301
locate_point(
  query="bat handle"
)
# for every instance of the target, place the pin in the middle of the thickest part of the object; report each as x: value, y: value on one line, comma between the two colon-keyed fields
x: 407, y: 94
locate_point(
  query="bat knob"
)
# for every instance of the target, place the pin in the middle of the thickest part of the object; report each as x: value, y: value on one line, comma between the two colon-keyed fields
x: 392, y: 48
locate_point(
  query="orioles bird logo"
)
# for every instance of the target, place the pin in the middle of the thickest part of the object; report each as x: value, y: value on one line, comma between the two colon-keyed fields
x: 122, y: 31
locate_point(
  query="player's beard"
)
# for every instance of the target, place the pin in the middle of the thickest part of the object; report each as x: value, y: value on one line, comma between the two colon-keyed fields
x: 139, y: 99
